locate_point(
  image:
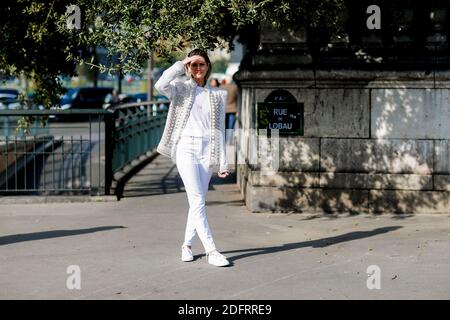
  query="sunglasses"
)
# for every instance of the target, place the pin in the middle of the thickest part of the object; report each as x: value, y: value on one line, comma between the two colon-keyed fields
x: 199, y: 65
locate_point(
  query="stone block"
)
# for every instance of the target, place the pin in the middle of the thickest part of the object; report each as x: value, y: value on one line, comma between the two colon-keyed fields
x: 284, y: 179
x: 394, y: 201
x: 298, y: 200
x: 375, y: 181
x: 403, y: 156
x: 299, y: 154
x: 442, y: 183
x: 410, y: 113
x: 346, y: 155
x: 381, y: 156
x: 337, y: 113
x: 442, y: 156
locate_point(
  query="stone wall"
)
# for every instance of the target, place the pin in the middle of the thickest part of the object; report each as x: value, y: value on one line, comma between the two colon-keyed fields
x: 373, y: 142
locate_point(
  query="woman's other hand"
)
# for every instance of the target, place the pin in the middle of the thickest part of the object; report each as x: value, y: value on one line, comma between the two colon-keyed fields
x: 223, y: 174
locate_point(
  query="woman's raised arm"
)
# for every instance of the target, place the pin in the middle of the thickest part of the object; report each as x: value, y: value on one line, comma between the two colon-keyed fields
x: 164, y: 85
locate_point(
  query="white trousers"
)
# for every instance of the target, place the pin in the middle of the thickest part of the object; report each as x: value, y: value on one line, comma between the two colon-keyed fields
x: 193, y: 167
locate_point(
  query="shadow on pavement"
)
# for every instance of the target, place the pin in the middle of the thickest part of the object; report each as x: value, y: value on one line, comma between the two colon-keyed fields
x: 319, y: 243
x: 234, y: 203
x: 5, y: 240
x: 169, y: 182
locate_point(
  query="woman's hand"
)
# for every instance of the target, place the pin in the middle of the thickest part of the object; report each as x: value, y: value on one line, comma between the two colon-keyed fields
x: 190, y: 59
x: 223, y: 174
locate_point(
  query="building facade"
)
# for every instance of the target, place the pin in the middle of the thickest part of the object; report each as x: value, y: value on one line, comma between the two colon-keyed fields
x: 363, y: 118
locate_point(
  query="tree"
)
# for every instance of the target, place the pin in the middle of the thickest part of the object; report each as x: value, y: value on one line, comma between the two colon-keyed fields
x: 36, y: 41
x: 33, y: 45
x: 134, y: 29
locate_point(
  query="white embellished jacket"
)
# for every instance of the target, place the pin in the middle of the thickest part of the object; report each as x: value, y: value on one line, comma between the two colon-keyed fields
x: 181, y: 95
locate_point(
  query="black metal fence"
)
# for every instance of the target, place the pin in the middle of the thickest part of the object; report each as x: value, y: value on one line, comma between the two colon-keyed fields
x: 76, y: 151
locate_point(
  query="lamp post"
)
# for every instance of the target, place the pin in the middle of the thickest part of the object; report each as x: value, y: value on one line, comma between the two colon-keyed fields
x: 150, y: 78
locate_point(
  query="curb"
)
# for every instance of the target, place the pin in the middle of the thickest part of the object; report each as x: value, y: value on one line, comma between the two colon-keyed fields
x: 9, y: 200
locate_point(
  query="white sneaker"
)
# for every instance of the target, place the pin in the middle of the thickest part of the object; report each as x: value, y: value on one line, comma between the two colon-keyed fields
x: 217, y: 259
x: 186, y: 254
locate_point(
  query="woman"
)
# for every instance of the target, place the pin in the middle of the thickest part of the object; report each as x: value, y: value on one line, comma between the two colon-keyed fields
x: 214, y: 83
x: 194, y: 138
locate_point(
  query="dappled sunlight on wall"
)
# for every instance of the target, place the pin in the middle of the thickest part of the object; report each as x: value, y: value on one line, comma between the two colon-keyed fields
x: 400, y: 165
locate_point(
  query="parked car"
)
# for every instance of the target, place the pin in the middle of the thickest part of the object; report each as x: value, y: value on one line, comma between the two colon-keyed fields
x: 9, y: 94
x: 117, y: 99
x: 9, y: 99
x: 140, y: 97
x: 85, y: 98
x: 82, y: 98
x: 11, y: 104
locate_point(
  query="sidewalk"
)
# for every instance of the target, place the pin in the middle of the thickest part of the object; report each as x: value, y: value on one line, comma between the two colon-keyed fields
x: 130, y: 249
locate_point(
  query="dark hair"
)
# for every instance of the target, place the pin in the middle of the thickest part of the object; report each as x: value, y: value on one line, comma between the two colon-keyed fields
x: 216, y: 80
x: 199, y: 52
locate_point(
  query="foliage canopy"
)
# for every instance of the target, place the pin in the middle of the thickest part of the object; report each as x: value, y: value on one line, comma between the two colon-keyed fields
x: 36, y: 41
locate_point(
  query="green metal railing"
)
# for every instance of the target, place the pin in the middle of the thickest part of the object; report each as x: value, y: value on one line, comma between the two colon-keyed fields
x: 138, y: 129
x: 65, y: 156
x: 81, y: 157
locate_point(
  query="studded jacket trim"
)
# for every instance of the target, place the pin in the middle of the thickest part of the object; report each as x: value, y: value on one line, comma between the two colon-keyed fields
x: 182, y: 93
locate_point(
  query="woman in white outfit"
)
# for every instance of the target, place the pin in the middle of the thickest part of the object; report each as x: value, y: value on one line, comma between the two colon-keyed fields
x: 194, y: 138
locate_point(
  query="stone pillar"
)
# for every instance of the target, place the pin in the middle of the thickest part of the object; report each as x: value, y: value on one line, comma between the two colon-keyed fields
x: 374, y: 140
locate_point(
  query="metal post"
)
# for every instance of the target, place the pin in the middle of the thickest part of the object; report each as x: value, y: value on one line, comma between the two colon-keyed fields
x: 109, y: 148
x: 150, y: 78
